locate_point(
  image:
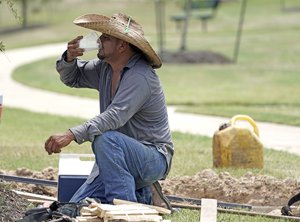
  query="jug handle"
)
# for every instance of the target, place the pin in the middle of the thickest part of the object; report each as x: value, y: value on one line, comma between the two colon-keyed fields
x: 247, y: 118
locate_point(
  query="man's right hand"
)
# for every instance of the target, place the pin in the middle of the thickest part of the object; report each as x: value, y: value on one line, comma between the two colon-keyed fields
x: 73, y: 50
x: 56, y: 142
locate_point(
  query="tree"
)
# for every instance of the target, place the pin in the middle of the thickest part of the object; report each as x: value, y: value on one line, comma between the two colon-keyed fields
x: 10, y: 4
x: 185, y: 25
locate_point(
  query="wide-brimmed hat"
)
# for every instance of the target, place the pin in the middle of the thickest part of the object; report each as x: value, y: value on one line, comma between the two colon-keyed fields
x: 122, y: 27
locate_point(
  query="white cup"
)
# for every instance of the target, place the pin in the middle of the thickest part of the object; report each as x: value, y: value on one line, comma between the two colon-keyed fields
x: 90, y: 42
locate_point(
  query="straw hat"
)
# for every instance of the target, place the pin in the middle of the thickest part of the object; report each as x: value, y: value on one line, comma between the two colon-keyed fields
x: 122, y: 27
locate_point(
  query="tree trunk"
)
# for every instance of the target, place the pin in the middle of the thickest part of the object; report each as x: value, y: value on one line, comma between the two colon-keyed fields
x: 24, y: 13
x: 185, y: 25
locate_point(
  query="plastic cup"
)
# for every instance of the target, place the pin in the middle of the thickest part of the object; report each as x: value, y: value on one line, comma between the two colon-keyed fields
x: 90, y: 42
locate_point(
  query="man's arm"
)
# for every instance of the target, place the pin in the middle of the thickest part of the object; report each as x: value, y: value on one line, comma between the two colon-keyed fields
x: 75, y: 72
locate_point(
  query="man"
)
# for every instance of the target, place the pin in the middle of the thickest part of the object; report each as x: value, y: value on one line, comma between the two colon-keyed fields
x: 130, y: 137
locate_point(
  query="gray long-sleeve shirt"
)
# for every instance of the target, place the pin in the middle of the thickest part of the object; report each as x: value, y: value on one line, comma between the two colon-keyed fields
x: 138, y: 108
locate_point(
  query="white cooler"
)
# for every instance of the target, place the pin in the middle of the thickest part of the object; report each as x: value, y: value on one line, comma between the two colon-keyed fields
x: 73, y: 170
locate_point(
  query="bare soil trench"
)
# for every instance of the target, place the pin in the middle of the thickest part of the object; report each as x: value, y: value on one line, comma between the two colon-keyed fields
x: 256, y: 190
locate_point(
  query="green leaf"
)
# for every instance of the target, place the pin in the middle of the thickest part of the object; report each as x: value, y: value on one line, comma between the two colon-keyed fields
x: 2, y: 47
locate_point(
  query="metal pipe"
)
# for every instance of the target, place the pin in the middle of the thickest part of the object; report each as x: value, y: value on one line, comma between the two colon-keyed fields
x: 28, y: 180
x: 198, y: 202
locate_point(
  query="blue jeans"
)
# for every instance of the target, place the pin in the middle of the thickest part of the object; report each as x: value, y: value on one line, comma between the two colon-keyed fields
x: 127, y: 168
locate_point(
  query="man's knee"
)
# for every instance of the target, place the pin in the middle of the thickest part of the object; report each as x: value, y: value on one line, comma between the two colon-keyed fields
x: 104, y: 141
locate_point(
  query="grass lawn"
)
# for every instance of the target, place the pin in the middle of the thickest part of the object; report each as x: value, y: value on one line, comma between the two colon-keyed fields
x: 196, y: 91
x: 22, y: 136
x: 263, y: 84
x: 30, y: 130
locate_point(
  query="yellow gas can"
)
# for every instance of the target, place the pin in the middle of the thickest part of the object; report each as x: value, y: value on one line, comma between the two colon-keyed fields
x: 236, y: 145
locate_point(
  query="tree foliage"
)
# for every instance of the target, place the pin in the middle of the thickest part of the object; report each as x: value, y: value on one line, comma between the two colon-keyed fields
x: 10, y: 4
x: 2, y: 47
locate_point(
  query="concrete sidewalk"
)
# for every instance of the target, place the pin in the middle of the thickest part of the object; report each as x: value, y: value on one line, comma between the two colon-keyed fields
x: 280, y: 137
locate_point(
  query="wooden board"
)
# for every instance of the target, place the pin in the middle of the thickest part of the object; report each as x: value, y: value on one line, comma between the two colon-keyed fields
x: 161, y: 210
x: 27, y: 195
x: 208, y: 210
x: 132, y: 212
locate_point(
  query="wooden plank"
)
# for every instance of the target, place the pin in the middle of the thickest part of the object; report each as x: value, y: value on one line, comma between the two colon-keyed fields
x: 88, y: 219
x: 27, y: 195
x: 92, y: 210
x: 126, y: 209
x: 208, y: 210
x: 160, y: 210
x: 87, y: 214
x: 85, y: 210
x: 109, y: 211
x: 121, y: 207
x: 131, y: 212
x: 135, y: 218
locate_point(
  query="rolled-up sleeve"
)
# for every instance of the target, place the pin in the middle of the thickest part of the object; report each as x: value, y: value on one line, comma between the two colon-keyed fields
x: 78, y: 73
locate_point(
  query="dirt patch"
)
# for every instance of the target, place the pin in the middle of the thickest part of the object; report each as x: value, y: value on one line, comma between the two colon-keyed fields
x: 46, y: 174
x: 12, y: 206
x: 256, y: 190
x: 195, y: 57
x: 259, y: 190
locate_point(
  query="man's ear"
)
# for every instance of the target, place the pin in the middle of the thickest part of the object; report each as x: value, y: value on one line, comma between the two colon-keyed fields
x: 123, y: 45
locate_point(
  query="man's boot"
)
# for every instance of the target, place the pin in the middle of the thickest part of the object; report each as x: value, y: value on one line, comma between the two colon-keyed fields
x: 158, y: 198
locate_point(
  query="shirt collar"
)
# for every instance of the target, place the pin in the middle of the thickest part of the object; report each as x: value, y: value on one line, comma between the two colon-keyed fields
x: 133, y: 60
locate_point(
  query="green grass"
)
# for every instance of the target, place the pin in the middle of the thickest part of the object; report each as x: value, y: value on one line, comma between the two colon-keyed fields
x: 56, y: 19
x: 263, y: 84
x: 22, y: 137
x: 23, y: 133
x: 42, y: 74
x: 265, y: 95
x: 194, y: 216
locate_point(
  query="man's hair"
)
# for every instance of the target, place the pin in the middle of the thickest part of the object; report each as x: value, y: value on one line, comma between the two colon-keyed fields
x: 138, y: 51
x: 135, y: 49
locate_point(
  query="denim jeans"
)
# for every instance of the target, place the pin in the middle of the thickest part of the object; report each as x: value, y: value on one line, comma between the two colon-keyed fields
x: 127, y: 168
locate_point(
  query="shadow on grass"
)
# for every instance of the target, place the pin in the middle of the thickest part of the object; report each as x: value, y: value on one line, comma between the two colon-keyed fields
x: 20, y: 28
x: 195, y: 57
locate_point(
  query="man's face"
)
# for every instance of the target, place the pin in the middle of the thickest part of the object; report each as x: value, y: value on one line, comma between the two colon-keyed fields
x: 109, y: 47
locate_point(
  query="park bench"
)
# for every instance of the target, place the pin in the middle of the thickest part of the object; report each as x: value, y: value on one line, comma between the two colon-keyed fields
x: 197, y: 9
